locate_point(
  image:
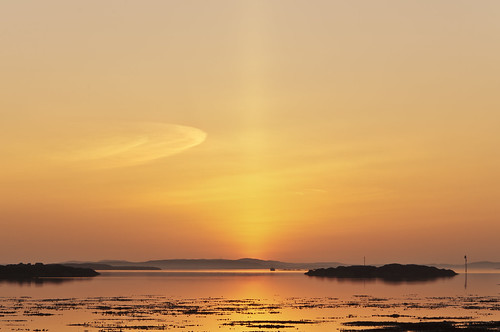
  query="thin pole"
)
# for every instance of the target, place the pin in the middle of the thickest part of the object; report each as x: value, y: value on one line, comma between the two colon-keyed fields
x: 364, y: 261
x: 465, y: 258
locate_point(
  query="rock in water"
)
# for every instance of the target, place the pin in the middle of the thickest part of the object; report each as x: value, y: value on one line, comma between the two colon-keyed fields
x: 394, y: 272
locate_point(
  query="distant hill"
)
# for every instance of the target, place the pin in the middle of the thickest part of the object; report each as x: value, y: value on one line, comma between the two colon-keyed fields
x: 240, y: 264
x: 482, y: 265
x: 209, y: 264
x: 103, y: 267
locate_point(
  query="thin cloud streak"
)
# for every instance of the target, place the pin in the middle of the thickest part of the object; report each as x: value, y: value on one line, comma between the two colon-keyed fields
x: 130, y: 145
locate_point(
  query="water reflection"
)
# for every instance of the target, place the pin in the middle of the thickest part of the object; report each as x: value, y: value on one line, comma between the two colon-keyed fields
x: 389, y: 281
x: 41, y: 281
x: 239, y: 301
x: 155, y: 312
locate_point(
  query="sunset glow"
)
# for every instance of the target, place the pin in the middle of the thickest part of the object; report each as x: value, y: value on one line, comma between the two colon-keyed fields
x: 267, y: 129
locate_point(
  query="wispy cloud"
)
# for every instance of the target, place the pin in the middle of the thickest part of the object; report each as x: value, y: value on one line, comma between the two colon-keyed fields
x: 126, y: 144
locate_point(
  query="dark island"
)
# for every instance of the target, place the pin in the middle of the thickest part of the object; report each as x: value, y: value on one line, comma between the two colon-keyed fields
x: 39, y: 270
x: 390, y: 272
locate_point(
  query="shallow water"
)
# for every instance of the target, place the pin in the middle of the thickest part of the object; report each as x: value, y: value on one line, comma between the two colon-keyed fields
x: 244, y: 301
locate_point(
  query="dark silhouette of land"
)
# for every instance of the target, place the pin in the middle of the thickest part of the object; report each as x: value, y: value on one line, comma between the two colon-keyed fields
x: 392, y: 272
x: 210, y: 264
x: 236, y: 264
x: 104, y: 267
x: 39, y: 270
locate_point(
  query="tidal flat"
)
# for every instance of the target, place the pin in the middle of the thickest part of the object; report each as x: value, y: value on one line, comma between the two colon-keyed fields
x: 249, y: 301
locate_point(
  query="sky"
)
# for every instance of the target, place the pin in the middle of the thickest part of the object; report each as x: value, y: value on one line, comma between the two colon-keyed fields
x: 289, y: 130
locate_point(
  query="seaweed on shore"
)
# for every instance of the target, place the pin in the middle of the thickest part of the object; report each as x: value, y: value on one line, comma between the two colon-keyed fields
x: 157, y: 312
x: 271, y: 324
x: 423, y: 326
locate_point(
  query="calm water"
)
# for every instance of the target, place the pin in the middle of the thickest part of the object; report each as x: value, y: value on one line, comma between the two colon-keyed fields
x: 241, y: 301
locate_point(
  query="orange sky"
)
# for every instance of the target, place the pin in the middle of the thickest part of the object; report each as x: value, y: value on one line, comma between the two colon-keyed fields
x: 291, y: 130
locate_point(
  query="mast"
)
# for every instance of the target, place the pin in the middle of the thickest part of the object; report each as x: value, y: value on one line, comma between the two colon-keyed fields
x: 465, y: 258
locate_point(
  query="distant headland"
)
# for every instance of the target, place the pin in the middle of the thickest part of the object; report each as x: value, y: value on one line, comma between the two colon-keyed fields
x: 199, y: 264
x: 391, y: 272
x: 240, y: 264
x: 107, y: 267
x: 39, y: 270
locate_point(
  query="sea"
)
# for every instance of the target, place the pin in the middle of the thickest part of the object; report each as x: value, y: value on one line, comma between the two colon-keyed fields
x: 249, y: 300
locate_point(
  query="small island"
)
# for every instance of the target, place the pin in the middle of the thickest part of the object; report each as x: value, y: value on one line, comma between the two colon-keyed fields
x: 39, y: 270
x: 391, y: 272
